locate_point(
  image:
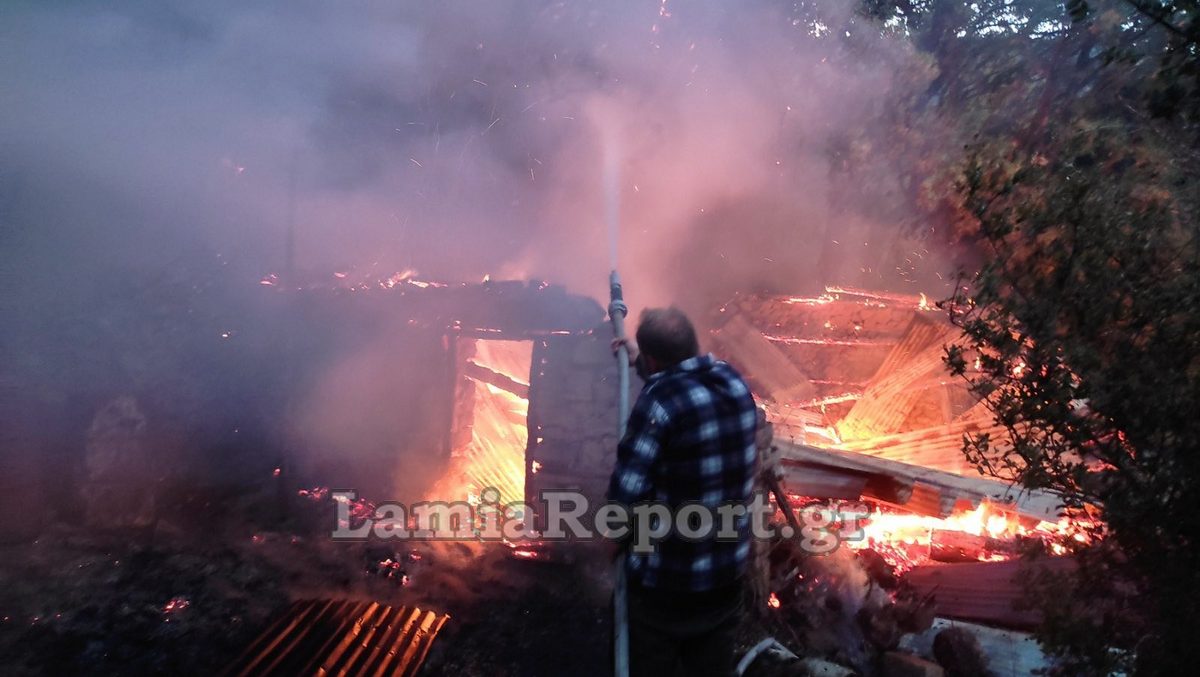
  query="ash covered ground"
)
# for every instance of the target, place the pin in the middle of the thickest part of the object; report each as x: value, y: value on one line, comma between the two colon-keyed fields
x: 158, y: 600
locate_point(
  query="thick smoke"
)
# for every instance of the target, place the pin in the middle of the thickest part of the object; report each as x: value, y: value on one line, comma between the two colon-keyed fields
x: 457, y: 138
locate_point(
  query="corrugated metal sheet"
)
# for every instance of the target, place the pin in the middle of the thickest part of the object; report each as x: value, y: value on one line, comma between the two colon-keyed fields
x: 342, y: 637
x: 984, y: 592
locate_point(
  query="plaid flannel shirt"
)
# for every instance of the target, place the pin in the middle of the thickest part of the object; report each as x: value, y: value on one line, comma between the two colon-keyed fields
x: 690, y: 439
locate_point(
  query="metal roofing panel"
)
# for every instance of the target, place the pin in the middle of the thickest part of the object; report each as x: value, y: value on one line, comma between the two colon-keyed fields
x: 342, y: 637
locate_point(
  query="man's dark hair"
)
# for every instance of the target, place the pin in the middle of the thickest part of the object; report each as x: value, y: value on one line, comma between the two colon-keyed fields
x: 667, y: 335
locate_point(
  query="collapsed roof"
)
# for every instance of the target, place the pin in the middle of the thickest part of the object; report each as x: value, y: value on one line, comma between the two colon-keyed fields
x: 861, y: 403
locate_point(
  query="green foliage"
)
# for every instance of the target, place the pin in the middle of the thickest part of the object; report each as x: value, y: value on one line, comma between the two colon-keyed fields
x: 1076, y: 196
x: 1175, y: 90
x: 1082, y: 319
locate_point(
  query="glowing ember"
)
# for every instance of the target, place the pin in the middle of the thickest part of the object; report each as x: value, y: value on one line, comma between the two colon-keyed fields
x: 880, y: 298
x: 360, y: 509
x: 791, y: 340
x: 390, y: 568
x: 175, y: 605
x: 905, y: 540
x: 773, y: 601
x: 811, y: 301
x: 402, y: 276
x: 913, y: 528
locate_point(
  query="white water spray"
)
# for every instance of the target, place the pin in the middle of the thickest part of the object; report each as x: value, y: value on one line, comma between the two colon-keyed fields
x: 612, y: 194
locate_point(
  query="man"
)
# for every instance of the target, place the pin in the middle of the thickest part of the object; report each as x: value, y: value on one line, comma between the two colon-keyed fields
x: 690, y: 439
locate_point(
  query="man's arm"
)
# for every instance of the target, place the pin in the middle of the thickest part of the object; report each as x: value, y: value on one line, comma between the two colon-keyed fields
x: 638, y: 451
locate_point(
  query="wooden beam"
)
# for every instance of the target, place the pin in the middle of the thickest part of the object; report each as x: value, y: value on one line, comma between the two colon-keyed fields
x: 775, y: 375
x: 890, y: 394
x: 820, y: 481
x: 947, y: 491
x: 474, y: 370
x: 938, y: 447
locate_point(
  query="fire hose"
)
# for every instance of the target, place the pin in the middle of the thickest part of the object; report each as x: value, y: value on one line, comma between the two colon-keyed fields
x: 617, y: 310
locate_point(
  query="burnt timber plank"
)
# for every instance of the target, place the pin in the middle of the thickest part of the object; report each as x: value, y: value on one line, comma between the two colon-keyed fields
x: 778, y: 378
x: 947, y: 491
x: 890, y: 395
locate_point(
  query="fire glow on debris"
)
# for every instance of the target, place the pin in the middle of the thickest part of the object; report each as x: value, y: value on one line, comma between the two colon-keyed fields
x: 864, y: 297
x: 360, y: 509
x: 494, y: 456
x: 175, y: 605
x: 908, y: 413
x: 905, y: 540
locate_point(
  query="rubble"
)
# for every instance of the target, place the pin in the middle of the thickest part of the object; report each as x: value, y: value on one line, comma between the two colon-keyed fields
x: 958, y: 651
x: 1005, y: 653
x: 879, y: 421
x: 95, y: 602
x: 896, y: 664
x: 769, y: 658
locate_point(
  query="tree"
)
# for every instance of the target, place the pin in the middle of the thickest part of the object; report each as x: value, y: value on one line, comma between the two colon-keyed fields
x: 1086, y: 342
x: 1076, y: 199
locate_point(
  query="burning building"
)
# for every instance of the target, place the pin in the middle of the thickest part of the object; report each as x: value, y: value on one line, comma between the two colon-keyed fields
x: 512, y: 385
x: 519, y: 393
x: 852, y: 381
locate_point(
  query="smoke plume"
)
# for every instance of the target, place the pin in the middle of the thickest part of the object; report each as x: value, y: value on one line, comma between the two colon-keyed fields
x: 457, y: 138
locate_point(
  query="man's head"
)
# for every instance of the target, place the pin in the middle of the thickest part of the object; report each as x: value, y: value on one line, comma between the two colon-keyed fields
x: 665, y: 337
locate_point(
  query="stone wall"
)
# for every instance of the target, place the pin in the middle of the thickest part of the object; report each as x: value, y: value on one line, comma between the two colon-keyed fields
x: 572, y: 414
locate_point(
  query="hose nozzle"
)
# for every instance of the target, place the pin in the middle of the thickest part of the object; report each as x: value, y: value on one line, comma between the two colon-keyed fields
x: 616, y: 302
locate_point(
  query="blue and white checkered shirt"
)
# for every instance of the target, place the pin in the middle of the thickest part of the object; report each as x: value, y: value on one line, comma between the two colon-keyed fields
x: 690, y: 439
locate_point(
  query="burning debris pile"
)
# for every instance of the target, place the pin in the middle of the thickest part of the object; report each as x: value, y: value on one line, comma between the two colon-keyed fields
x: 867, y: 453
x: 845, y: 607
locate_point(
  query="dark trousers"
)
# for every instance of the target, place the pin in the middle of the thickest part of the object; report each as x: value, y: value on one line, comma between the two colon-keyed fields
x: 682, y: 633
